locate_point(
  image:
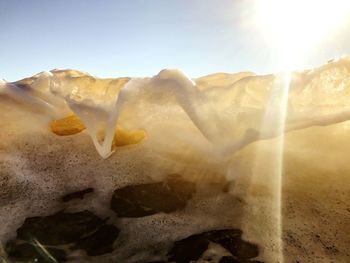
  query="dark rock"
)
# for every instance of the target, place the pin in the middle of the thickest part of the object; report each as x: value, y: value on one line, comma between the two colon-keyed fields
x: 229, y: 259
x: 60, y: 228
x: 82, y: 229
x: 76, y: 195
x: 219, y: 236
x: 26, y: 252
x: 100, y: 242
x: 231, y: 240
x: 190, y: 248
x: 148, y: 199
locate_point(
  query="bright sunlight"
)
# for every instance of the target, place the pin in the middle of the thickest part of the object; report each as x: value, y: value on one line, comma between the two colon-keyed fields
x: 294, y: 27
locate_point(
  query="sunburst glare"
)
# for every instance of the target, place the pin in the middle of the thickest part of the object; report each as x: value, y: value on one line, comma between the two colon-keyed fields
x: 296, y: 27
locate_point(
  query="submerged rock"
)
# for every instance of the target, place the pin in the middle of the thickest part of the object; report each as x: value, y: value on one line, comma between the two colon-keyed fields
x: 100, y: 242
x: 229, y: 259
x: 38, y: 236
x: 60, y: 228
x: 76, y: 195
x: 231, y: 240
x: 148, y: 199
x: 26, y: 252
x: 190, y: 248
x: 193, y: 247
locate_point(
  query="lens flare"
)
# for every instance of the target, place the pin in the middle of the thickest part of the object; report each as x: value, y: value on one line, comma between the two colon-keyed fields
x: 296, y: 27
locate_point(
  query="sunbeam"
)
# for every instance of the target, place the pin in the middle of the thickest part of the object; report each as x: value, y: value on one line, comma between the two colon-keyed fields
x: 267, y: 170
x: 279, y: 98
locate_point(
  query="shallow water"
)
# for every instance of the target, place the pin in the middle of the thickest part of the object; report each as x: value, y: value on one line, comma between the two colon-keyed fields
x: 212, y: 181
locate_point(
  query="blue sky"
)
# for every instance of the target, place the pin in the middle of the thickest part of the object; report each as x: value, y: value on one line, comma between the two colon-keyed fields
x: 137, y: 38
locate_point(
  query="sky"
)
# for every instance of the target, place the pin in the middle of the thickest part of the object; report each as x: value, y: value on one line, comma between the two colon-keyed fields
x: 112, y: 38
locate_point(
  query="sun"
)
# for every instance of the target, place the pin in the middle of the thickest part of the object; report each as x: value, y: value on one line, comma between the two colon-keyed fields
x: 294, y: 27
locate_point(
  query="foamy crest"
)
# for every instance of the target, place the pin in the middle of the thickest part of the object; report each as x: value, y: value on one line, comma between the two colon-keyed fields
x: 229, y: 116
